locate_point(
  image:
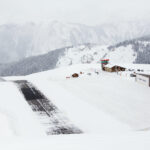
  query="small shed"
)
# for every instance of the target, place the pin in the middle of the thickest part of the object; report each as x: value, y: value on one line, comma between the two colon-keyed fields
x: 113, y: 68
x: 143, y: 79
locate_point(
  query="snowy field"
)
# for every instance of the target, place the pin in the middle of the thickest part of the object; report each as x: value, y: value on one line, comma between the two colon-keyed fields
x: 111, y: 110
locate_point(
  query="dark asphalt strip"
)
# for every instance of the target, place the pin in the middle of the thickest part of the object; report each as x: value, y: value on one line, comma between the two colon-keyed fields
x: 50, y: 115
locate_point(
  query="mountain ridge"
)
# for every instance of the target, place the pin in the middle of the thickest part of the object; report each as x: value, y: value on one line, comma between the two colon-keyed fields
x: 130, y: 51
x: 21, y: 41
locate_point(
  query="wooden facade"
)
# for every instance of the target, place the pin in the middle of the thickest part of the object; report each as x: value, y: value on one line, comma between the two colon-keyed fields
x: 114, y: 68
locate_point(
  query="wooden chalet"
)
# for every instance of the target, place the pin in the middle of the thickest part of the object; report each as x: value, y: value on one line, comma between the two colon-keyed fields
x: 113, y: 68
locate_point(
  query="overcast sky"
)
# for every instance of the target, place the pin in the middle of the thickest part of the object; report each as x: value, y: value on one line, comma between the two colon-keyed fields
x: 89, y: 12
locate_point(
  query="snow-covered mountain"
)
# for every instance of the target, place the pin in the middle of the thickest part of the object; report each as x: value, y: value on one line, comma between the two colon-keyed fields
x: 131, y: 51
x: 135, y: 51
x: 19, y: 41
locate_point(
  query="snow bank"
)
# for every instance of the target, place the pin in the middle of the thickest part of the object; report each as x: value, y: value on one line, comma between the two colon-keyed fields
x: 21, y: 119
x: 5, y: 126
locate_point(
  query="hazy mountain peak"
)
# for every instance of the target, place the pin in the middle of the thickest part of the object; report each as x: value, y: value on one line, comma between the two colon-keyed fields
x: 18, y: 41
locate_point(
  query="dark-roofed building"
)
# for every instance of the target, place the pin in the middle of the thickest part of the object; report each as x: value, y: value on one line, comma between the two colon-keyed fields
x: 113, y: 68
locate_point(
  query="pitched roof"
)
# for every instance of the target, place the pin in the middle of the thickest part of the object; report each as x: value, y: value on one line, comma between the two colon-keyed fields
x: 109, y: 65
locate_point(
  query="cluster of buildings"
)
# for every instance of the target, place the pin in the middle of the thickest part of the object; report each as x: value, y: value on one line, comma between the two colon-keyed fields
x: 110, y: 67
x: 139, y: 77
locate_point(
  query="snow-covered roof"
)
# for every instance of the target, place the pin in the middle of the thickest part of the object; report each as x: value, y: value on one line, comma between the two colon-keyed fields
x: 110, y: 65
x: 144, y: 74
x: 135, y: 66
x: 145, y: 67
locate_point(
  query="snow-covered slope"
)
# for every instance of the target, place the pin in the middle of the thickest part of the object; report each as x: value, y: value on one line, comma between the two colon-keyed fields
x: 111, y: 118
x: 93, y: 54
x: 85, y: 100
x: 128, y: 52
x: 18, y: 41
x: 82, y: 54
x: 16, y: 117
x: 139, y: 49
x: 131, y: 51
